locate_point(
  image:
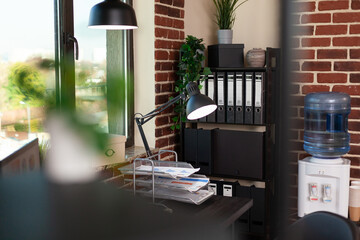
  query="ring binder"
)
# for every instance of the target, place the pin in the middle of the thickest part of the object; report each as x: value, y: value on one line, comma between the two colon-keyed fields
x: 220, y: 113
x: 259, y: 98
x: 230, y: 116
x: 239, y: 97
x: 249, y: 98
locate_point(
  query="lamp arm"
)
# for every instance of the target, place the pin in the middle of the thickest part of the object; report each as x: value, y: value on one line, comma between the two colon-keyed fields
x: 144, y: 119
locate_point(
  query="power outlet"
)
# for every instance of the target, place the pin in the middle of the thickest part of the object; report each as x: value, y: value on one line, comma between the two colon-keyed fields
x: 227, y: 190
x: 213, y: 186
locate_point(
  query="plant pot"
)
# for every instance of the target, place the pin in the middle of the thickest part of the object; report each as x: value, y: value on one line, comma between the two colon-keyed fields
x: 225, y: 36
x: 256, y: 57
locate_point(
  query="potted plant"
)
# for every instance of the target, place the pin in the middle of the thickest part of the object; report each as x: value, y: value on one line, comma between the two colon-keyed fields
x: 225, y: 18
x: 190, y: 70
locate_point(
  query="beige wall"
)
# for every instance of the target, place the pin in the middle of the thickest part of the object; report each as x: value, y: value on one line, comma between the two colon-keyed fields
x: 257, y: 23
x: 144, y: 60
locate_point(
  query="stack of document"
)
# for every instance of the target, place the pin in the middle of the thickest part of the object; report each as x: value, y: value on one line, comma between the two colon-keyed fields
x: 171, y: 182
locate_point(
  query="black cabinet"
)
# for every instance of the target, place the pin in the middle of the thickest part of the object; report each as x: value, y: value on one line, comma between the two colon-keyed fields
x: 241, y: 144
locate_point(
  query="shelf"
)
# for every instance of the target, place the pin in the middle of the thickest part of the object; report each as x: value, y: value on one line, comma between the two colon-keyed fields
x: 242, y: 69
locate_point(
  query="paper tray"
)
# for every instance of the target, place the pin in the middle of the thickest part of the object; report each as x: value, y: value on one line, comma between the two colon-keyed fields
x: 181, y: 196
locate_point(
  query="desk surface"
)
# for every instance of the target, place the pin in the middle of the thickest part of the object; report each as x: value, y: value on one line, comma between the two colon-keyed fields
x: 31, y: 207
x: 223, y: 210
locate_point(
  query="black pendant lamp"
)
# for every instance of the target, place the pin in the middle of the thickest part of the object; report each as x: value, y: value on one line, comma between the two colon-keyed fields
x: 112, y: 15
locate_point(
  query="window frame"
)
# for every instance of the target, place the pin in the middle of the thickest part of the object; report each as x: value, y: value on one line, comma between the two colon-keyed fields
x: 120, y: 110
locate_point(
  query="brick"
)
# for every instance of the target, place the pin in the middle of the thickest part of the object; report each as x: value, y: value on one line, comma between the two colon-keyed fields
x: 294, y: 66
x: 295, y: 43
x: 355, y: 138
x: 182, y: 13
x: 314, y: 88
x: 163, y: 21
x: 296, y: 145
x: 355, y: 161
x: 304, y: 6
x: 355, y: 78
x: 295, y: 18
x: 316, y: 18
x: 168, y: 2
x: 179, y: 3
x: 160, y: 9
x: 347, y: 66
x: 161, y: 99
x: 173, y: 77
x: 161, y: 55
x: 297, y: 123
x: 167, y: 87
x: 351, y: 89
x: 354, y: 126
x: 355, y: 4
x: 355, y: 29
x: 355, y: 114
x: 293, y: 135
x: 161, y: 32
x: 303, y: 30
x: 315, y: 42
x: 173, y: 12
x: 157, y: 66
x: 163, y: 44
x: 165, y: 66
x: 158, y: 132
x: 182, y: 35
x: 173, y: 34
x: 157, y: 88
x: 303, y: 77
x: 346, y: 41
x: 332, y: 54
x: 161, y: 77
x: 332, y: 78
x: 160, y: 120
x: 162, y: 142
x: 355, y: 53
x: 303, y: 54
x: 354, y: 150
x: 346, y: 17
x: 316, y: 66
x: 297, y: 100
x: 294, y: 89
x: 333, y: 5
x: 331, y: 30
x: 355, y: 102
x: 179, y: 24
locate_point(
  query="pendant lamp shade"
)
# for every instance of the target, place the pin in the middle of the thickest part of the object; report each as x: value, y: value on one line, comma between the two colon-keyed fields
x: 112, y: 15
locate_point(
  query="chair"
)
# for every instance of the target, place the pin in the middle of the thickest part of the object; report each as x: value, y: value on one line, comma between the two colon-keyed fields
x: 323, y: 225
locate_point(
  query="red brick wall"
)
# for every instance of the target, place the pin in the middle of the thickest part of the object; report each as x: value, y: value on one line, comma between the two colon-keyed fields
x: 169, y: 35
x: 327, y: 58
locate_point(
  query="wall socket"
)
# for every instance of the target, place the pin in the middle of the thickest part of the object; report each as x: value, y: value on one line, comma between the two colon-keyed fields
x: 227, y: 190
x: 213, y: 186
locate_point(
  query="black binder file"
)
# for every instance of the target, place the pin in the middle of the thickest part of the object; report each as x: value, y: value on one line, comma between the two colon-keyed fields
x: 249, y: 102
x: 239, y: 97
x: 202, y: 91
x: 259, y: 98
x: 211, y: 94
x: 230, y: 113
x: 190, y: 146
x: 220, y: 113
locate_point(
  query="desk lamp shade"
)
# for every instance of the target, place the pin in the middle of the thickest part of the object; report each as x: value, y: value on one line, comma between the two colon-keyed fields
x: 198, y: 105
x: 112, y: 15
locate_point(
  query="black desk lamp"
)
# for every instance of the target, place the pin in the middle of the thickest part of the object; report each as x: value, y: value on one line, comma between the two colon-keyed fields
x: 197, y: 107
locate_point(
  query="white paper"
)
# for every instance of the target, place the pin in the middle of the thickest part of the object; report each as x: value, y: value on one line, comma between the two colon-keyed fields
x: 173, y: 172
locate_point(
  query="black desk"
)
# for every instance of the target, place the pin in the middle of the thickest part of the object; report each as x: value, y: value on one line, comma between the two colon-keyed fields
x: 222, y: 210
x: 31, y: 207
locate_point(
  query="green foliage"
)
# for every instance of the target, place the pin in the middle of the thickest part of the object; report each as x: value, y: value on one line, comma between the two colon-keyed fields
x: 225, y: 12
x: 190, y: 70
x: 26, y: 85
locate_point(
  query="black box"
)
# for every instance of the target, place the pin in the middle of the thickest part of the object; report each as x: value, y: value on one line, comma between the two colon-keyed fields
x: 226, y: 55
x: 238, y: 154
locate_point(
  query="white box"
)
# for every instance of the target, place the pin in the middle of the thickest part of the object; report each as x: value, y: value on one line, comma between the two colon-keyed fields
x: 227, y: 190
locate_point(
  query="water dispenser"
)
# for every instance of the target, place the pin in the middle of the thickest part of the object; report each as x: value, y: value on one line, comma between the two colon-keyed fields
x: 323, y: 178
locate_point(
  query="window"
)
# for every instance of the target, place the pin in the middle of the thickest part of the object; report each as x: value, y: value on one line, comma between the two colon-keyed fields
x: 100, y: 82
x: 34, y: 63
